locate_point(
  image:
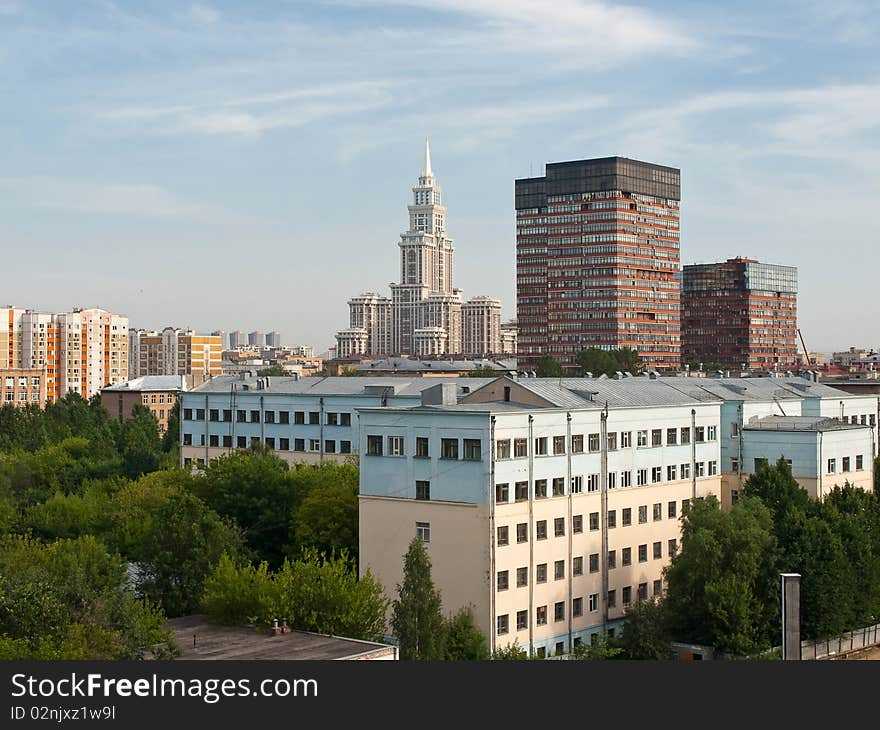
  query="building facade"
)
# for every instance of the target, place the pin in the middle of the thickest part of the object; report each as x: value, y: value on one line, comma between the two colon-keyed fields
x: 81, y: 351
x: 598, y: 257
x: 23, y: 387
x: 550, y: 505
x: 157, y: 393
x: 424, y: 314
x: 740, y: 313
x: 174, y: 352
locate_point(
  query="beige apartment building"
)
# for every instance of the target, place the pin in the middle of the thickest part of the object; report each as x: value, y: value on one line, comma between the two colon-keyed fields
x: 174, y: 352
x: 81, y: 351
x: 23, y: 386
x: 158, y: 393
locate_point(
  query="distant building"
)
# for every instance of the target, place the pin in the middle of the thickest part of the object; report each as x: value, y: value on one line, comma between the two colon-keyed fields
x: 852, y: 357
x: 174, y: 352
x: 256, y: 339
x: 236, y: 339
x: 23, y: 387
x: 509, y: 336
x: 82, y: 350
x: 273, y: 339
x: 157, y: 393
x: 424, y: 315
x: 740, y: 313
x: 597, y: 260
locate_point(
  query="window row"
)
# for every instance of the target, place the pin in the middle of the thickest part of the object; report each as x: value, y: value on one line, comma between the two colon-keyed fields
x: 300, y: 418
x: 331, y: 446
x: 23, y: 381
x: 450, y: 448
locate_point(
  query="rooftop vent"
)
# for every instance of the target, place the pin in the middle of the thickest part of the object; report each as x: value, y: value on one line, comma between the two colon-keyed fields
x: 442, y: 394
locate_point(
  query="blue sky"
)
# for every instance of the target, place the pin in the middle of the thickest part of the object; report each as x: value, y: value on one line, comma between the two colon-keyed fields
x: 247, y: 165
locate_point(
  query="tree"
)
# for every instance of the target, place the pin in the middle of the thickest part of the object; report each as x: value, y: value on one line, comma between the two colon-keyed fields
x: 273, y: 371
x: 608, y: 362
x: 548, y: 367
x: 510, y: 652
x: 485, y: 371
x: 236, y: 595
x: 463, y: 637
x: 139, y: 443
x: 171, y: 437
x: 416, y: 619
x: 598, y: 649
x: 645, y: 632
x: 327, y: 519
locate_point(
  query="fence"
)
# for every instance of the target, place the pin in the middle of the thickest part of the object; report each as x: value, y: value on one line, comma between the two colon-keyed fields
x: 850, y: 641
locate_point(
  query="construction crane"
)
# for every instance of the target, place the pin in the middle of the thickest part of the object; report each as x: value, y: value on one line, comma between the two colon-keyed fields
x: 804, y: 345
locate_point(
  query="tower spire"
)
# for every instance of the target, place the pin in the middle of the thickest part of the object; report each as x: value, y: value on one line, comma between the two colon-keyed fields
x: 427, y: 171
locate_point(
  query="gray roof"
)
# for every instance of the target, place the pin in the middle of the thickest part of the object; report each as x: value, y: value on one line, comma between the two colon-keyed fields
x: 150, y: 382
x: 348, y: 386
x: 406, y: 364
x: 596, y: 392
x: 800, y: 423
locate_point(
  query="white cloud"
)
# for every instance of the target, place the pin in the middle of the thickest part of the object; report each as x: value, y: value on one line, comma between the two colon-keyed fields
x: 203, y: 14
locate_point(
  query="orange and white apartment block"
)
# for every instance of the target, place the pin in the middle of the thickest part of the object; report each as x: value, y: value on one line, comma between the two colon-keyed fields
x: 79, y: 351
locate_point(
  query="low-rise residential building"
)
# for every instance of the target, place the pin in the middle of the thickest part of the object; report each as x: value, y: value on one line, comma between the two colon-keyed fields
x: 550, y: 505
x: 23, y: 386
x: 158, y: 393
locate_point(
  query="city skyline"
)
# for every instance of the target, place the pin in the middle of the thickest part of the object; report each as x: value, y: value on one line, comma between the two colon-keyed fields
x: 276, y: 146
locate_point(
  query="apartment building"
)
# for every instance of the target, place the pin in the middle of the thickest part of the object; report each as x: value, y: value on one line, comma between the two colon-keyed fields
x: 157, y: 393
x: 23, y: 386
x: 81, y: 351
x: 174, y: 352
x: 550, y: 505
x: 305, y: 420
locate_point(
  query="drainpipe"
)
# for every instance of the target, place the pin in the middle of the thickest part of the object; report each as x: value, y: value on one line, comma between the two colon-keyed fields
x: 603, y: 514
x: 693, y: 454
x: 569, y: 572
x: 531, y: 536
x: 207, y: 436
x: 493, y: 586
x: 321, y: 428
x: 262, y: 423
x: 741, y: 437
x: 821, y: 468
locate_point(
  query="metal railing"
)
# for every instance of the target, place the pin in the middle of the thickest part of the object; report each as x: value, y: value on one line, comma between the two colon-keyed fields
x: 850, y: 641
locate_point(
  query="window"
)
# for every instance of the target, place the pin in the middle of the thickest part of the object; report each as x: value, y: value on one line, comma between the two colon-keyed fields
x: 643, y: 553
x: 255, y: 416
x: 658, y: 550
x: 395, y: 445
x: 448, y: 448
x: 594, y: 602
x: 685, y: 506
x: 522, y: 532
x: 577, y: 444
x: 734, y: 464
x: 503, y: 537
x: 283, y: 416
x: 577, y: 607
x: 577, y: 524
x: 187, y: 439
x: 671, y: 510
x: 421, y: 447
x: 299, y: 417
x: 641, y: 438
x: 559, y: 486
x: 711, y: 433
x: 541, y: 446
x: 671, y: 473
x: 685, y: 435
x: 200, y: 414
x: 520, y: 448
x: 332, y: 419
x: 713, y: 468
x: 541, y: 573
x: 860, y: 462
x: 594, y: 441
x: 845, y: 464
x: 241, y: 442
x: 269, y: 416
x: 658, y: 587
x: 472, y: 450
x: 612, y: 480
x: 214, y: 415
x: 559, y: 570
x: 541, y: 617
x: 502, y: 624
x: 685, y: 471
x: 423, y: 531
x: 643, y: 514
x: 270, y: 442
x: 540, y: 488
x: 626, y: 556
x: 612, y: 519
x: 626, y: 516
x: 522, y: 577
x: 374, y: 445
x: 502, y: 492
x: 671, y: 436
x: 671, y: 547
x: 656, y: 474
x: 626, y: 478
x: 658, y: 511
x: 700, y: 469
x: 593, y: 483
x: 594, y: 520
x: 643, y: 592
x: 559, y: 612
x: 577, y: 566
x: 625, y: 439
x: 559, y: 527
x: 559, y: 444
x: 577, y: 484
x: 345, y: 419
x: 502, y: 449
x: 657, y: 437
x: 541, y: 651
x: 612, y: 442
x: 521, y: 491
x: 612, y: 599
x: 832, y: 466
x: 594, y: 562
x: 423, y: 490
x: 522, y: 620
x: 227, y: 442
x: 502, y: 582
x: 612, y: 559
x: 345, y: 447
x: 642, y: 477
x: 314, y: 418
x: 541, y: 530
x: 626, y: 595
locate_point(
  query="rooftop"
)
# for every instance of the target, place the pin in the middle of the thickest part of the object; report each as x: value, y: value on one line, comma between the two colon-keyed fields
x: 406, y: 364
x: 800, y: 423
x: 199, y: 639
x: 150, y: 382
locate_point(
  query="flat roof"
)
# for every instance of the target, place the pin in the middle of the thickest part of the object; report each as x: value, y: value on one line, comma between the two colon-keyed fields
x: 800, y: 423
x: 339, y: 385
x: 150, y: 382
x: 197, y: 638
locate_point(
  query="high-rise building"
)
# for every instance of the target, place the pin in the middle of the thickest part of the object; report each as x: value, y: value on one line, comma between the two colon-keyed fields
x: 174, y: 352
x: 424, y: 315
x: 81, y: 351
x: 597, y: 251
x: 273, y: 339
x: 236, y: 339
x: 256, y: 339
x: 739, y: 313
x: 481, y: 326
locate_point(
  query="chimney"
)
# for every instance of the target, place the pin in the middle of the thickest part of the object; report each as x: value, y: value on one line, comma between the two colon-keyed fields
x: 284, y: 628
x: 442, y: 394
x: 276, y: 629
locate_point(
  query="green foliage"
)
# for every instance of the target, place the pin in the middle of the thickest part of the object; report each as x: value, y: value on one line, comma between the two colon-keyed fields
x: 608, y: 362
x: 510, y: 652
x: 236, y: 595
x: 171, y: 437
x: 139, y: 443
x: 598, y: 649
x: 416, y: 619
x: 484, y: 371
x: 645, y: 631
x: 327, y: 519
x: 463, y: 638
x: 273, y: 371
x: 548, y: 367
